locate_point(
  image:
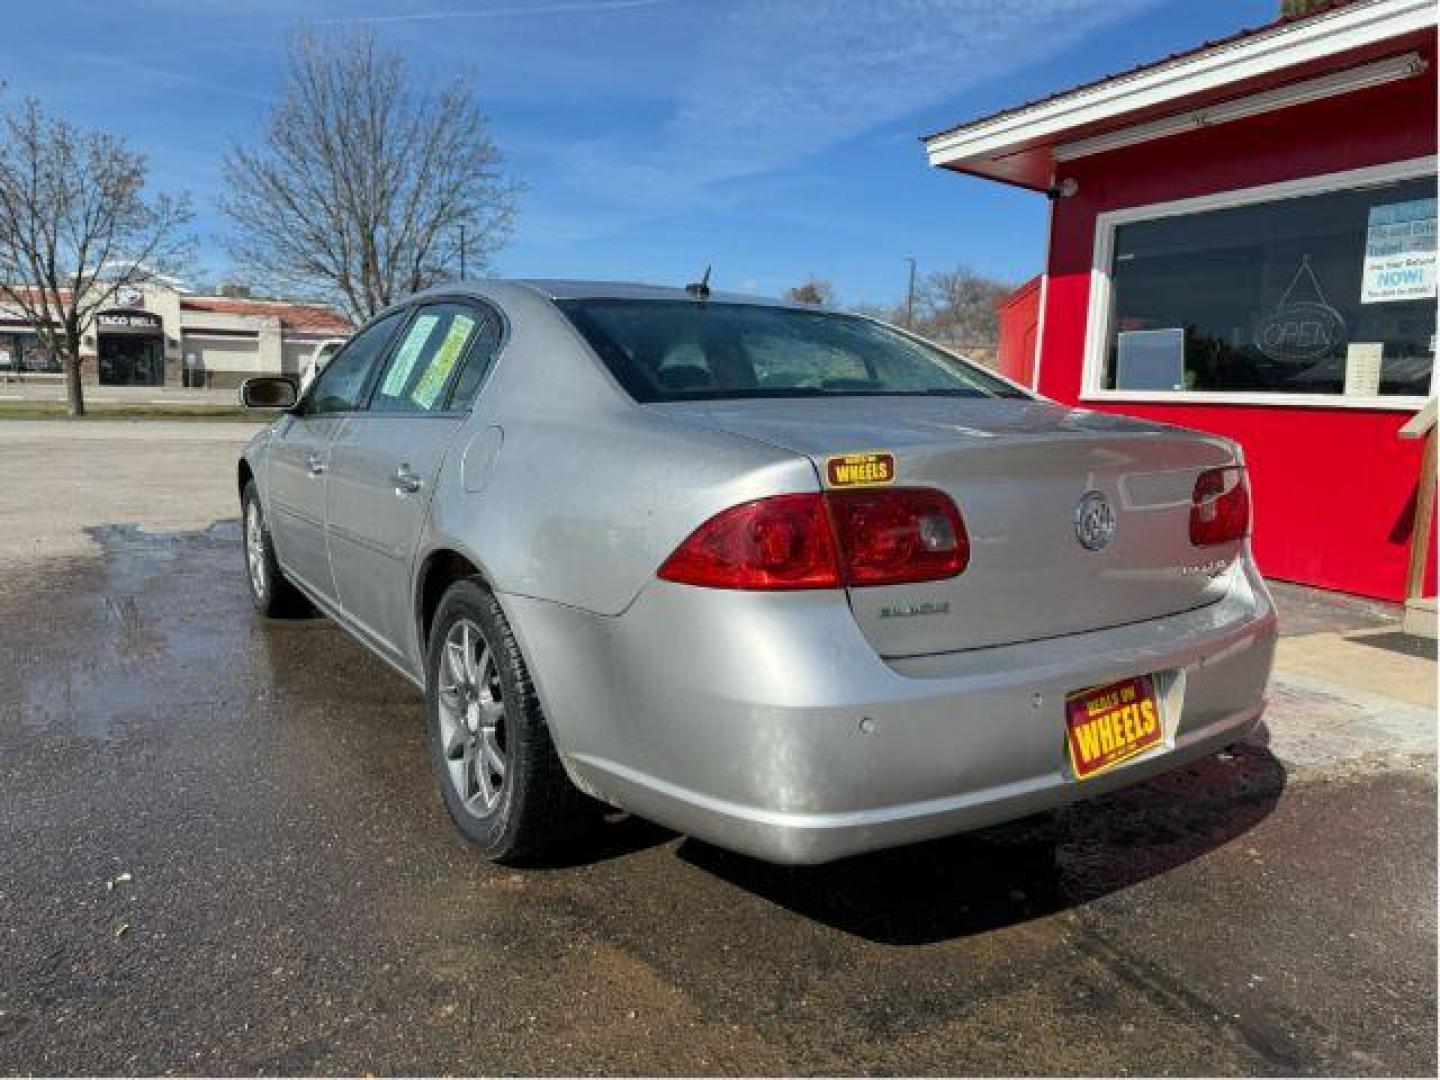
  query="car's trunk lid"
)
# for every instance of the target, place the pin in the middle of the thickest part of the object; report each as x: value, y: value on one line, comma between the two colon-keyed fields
x: 1018, y: 470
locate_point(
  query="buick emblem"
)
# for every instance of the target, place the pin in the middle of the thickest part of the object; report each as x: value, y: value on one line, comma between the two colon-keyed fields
x: 1094, y: 521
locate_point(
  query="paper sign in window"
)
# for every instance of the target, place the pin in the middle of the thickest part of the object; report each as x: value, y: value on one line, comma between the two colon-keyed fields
x: 1150, y: 360
x: 427, y: 390
x: 398, y: 377
x: 1400, y: 252
x: 1362, y: 368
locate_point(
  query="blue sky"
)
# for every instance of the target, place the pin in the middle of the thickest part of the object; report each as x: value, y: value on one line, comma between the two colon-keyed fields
x: 774, y: 138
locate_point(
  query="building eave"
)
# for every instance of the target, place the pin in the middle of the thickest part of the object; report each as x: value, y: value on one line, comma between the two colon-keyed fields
x: 1017, y: 146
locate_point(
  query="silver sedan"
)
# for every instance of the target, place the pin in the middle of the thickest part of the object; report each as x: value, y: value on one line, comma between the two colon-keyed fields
x: 789, y: 580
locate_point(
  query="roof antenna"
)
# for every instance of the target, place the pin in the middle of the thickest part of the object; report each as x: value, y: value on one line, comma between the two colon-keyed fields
x: 700, y: 290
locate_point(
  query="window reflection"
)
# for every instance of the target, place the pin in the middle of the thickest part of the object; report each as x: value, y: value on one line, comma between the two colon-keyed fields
x: 1322, y: 294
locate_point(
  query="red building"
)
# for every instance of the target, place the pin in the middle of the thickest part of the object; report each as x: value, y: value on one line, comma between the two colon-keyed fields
x: 1019, y: 317
x: 1242, y: 240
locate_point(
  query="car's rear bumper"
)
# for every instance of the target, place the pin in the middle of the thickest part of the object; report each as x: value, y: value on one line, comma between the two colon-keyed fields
x: 765, y: 723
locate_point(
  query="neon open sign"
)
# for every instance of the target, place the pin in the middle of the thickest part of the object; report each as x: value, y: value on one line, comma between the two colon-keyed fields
x: 1298, y: 330
x: 1302, y: 331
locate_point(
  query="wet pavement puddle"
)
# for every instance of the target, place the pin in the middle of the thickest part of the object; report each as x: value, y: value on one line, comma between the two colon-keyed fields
x: 300, y: 903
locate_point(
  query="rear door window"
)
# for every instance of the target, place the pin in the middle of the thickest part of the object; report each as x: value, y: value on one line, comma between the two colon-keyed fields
x: 418, y: 375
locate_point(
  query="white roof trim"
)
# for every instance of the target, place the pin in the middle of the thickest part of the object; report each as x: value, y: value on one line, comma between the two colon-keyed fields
x: 1282, y: 97
x: 1421, y: 424
x: 1266, y: 53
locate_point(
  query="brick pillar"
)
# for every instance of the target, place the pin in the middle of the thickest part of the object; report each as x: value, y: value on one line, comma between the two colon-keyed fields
x: 174, y: 371
x: 89, y: 371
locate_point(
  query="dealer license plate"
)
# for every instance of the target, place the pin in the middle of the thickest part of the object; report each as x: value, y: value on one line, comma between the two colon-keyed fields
x: 1106, y: 725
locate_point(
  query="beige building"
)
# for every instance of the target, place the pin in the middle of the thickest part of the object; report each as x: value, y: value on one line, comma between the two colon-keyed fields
x: 157, y: 334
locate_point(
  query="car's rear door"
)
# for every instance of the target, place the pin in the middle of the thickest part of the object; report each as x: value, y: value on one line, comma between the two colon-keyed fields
x: 386, y: 459
x: 298, y: 456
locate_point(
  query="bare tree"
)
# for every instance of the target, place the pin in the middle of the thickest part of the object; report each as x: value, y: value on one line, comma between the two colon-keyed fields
x: 75, y: 227
x: 890, y: 313
x: 812, y: 290
x: 958, y: 307
x: 362, y: 185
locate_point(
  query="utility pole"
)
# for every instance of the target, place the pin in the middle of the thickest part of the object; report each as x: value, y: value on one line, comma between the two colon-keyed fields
x: 462, y: 252
x: 910, y: 296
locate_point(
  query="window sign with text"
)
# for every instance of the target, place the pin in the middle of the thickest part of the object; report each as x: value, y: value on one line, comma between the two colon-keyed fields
x: 1400, y: 253
x: 1268, y: 297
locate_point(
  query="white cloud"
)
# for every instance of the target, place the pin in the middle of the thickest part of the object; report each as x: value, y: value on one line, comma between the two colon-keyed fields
x: 147, y: 71
x: 778, y: 80
x: 542, y: 8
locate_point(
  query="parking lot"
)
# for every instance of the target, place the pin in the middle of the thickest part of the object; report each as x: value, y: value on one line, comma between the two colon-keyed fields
x: 225, y: 853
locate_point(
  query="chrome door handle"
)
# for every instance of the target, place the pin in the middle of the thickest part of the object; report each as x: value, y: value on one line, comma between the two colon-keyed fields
x: 405, y: 481
x: 316, y: 463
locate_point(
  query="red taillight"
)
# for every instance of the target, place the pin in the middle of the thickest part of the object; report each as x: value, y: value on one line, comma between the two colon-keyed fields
x: 782, y: 542
x: 889, y: 536
x: 823, y: 541
x: 1220, y: 507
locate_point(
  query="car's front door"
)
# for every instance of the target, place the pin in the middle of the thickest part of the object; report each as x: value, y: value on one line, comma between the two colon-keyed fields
x: 298, y: 457
x: 385, y: 462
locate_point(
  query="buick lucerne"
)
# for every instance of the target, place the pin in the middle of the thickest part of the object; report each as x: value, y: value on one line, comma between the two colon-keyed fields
x: 792, y: 581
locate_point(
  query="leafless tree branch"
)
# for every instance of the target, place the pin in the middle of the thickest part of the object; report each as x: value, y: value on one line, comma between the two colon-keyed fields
x: 812, y: 290
x: 75, y: 227
x: 361, y: 184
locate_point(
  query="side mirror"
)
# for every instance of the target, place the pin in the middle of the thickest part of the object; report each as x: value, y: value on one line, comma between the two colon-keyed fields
x: 267, y: 392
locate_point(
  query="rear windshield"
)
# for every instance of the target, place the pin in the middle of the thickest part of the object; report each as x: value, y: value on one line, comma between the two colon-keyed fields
x: 680, y: 350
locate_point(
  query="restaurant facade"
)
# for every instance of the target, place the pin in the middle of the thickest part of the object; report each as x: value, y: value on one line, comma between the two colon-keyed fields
x: 1242, y: 240
x: 159, y: 334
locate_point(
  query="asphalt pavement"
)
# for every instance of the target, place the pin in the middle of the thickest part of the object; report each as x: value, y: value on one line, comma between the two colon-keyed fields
x: 224, y: 853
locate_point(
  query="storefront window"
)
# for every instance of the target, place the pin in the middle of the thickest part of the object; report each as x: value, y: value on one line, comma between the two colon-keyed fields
x: 1329, y: 294
x: 22, y: 352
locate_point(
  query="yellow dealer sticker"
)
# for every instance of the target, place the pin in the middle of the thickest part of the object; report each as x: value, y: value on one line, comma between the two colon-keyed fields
x: 860, y: 470
x: 1111, y: 724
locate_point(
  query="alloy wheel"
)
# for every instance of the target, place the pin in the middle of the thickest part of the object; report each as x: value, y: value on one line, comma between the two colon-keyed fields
x: 472, y: 718
x: 255, y: 548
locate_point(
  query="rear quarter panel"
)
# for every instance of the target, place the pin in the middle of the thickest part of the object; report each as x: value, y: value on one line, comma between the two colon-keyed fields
x: 580, y: 494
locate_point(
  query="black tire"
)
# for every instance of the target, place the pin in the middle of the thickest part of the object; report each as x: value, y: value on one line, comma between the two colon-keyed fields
x: 272, y: 594
x: 537, y: 811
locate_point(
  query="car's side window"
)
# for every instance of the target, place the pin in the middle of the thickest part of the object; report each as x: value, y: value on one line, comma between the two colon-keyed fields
x: 421, y: 367
x: 340, y: 387
x: 478, y: 362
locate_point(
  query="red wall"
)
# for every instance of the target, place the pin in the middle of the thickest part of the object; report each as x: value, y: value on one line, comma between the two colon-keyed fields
x: 1019, y: 315
x: 1334, y: 488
